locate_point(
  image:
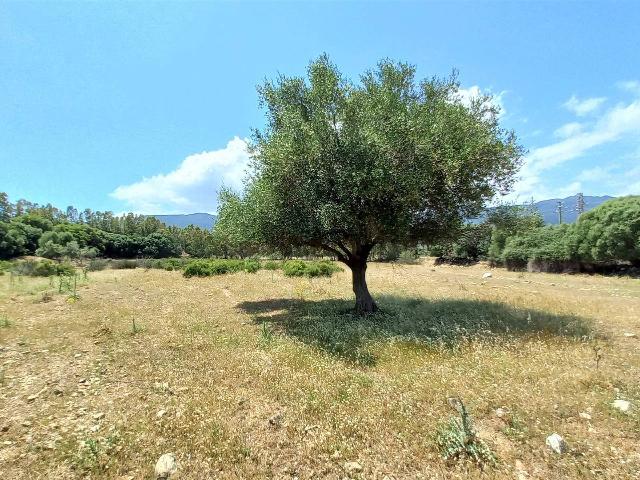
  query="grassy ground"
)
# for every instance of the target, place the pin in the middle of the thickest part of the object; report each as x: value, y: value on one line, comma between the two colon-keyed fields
x: 263, y: 376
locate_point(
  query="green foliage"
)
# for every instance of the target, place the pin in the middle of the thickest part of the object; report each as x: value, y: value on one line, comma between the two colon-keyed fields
x: 610, y: 232
x: 206, y: 268
x: 97, y: 264
x: 457, y: 439
x: 300, y: 268
x: 272, y: 265
x: 550, y: 244
x: 43, y: 268
x: 158, y: 245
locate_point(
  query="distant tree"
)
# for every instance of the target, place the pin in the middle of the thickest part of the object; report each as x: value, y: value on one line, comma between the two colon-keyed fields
x: 343, y: 167
x: 158, y: 245
x: 7, y: 209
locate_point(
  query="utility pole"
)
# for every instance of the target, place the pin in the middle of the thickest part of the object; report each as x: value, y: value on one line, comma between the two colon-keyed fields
x: 580, y: 204
x: 559, y: 210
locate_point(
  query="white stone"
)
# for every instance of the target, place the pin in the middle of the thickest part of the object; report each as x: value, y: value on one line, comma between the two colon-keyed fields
x: 487, y: 275
x: 98, y: 416
x: 352, y: 467
x: 161, y: 413
x: 556, y: 443
x: 501, y: 412
x: 630, y: 335
x: 585, y: 416
x: 166, y: 466
x: 622, y: 405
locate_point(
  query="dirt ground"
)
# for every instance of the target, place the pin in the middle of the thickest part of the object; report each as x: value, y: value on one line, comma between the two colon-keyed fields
x: 263, y: 376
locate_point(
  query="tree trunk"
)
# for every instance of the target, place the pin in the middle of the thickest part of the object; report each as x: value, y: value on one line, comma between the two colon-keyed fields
x: 364, y: 302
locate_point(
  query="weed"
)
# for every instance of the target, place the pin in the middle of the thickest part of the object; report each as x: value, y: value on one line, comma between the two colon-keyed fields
x: 457, y: 439
x: 94, y: 454
x: 4, y: 321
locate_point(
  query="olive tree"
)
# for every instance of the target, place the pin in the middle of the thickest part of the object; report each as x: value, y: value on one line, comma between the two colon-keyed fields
x: 343, y: 166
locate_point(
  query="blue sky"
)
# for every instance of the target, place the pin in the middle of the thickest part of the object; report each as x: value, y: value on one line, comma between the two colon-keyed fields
x: 143, y: 106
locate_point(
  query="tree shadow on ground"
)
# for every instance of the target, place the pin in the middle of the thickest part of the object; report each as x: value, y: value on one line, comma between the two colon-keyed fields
x: 330, y: 326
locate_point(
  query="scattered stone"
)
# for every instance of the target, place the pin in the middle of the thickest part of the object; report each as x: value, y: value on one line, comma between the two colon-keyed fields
x: 487, y: 275
x: 26, y: 423
x: 166, y: 466
x: 630, y: 335
x: 521, y: 472
x: 32, y: 398
x: 276, y: 420
x: 77, y: 355
x: 7, y: 442
x: 352, y: 467
x: 161, y: 413
x: 336, y: 455
x: 5, y: 428
x: 58, y: 392
x: 501, y: 412
x: 98, y: 416
x: 557, y: 443
x: 585, y: 416
x: 622, y: 405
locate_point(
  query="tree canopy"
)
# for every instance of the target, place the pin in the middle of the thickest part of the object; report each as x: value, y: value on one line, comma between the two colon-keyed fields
x: 343, y: 166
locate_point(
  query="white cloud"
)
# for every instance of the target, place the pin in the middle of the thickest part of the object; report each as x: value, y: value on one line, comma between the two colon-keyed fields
x: 193, y: 186
x: 632, y: 86
x: 467, y: 95
x: 583, y: 107
x: 568, y: 130
x: 618, y: 123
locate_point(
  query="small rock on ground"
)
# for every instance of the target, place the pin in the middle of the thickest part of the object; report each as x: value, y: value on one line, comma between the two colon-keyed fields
x: 352, y: 467
x: 166, y: 466
x: 622, y: 405
x: 557, y: 443
x: 487, y: 275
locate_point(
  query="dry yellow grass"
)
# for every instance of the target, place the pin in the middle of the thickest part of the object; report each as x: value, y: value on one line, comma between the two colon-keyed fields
x: 215, y: 358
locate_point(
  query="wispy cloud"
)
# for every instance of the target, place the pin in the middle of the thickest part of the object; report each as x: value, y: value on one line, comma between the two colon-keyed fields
x: 583, y: 107
x: 192, y: 186
x: 568, y: 130
x: 619, y: 123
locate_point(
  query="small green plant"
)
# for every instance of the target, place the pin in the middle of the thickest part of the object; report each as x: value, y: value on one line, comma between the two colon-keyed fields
x: 4, y: 321
x: 94, y: 454
x: 300, y: 268
x: 266, y: 334
x: 457, y: 439
x: 74, y: 295
x: 135, y: 329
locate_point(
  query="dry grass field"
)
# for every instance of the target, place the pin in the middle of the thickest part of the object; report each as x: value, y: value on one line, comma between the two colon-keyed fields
x: 263, y: 376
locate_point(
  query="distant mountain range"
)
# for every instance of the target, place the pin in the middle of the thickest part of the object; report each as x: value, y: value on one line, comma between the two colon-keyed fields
x: 547, y: 208
x: 202, y: 220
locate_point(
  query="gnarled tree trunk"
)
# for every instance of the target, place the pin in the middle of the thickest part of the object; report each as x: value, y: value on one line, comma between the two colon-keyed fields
x: 364, y: 302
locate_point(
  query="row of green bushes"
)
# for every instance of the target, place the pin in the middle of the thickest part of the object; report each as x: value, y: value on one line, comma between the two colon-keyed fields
x: 290, y: 268
x: 606, y: 235
x: 42, y: 268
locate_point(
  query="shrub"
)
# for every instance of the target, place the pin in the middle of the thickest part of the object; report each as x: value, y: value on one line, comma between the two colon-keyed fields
x: 299, y: 268
x: 294, y: 268
x: 610, y: 232
x: 97, y: 264
x: 123, y: 264
x: 251, y: 266
x: 457, y: 439
x: 271, y: 265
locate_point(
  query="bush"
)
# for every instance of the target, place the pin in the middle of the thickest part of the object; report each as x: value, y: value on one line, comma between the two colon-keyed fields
x: 123, y: 264
x: 206, y: 268
x: 97, y: 264
x: 44, y: 268
x: 271, y: 265
x: 610, y: 232
x: 299, y: 268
